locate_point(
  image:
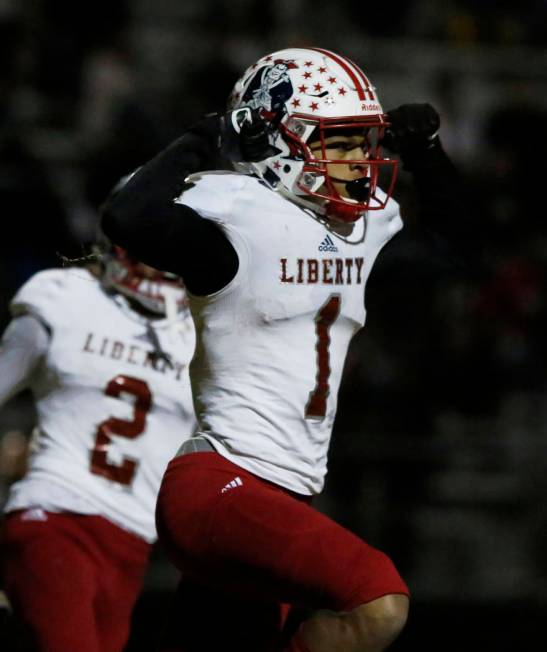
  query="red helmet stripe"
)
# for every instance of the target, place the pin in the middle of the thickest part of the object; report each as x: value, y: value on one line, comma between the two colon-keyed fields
x: 353, y: 71
x: 364, y: 78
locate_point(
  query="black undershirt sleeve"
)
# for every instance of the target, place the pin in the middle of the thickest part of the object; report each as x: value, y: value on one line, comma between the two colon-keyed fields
x: 446, y: 209
x: 445, y: 214
x: 143, y: 218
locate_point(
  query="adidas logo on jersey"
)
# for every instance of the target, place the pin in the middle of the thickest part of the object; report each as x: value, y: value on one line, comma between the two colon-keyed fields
x: 236, y: 482
x: 34, y: 514
x: 327, y: 245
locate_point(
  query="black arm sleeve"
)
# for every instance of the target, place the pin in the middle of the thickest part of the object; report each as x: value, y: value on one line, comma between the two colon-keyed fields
x: 445, y: 207
x: 143, y: 218
x: 446, y: 219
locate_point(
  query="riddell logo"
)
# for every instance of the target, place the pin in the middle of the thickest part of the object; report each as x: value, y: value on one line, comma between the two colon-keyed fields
x: 328, y: 245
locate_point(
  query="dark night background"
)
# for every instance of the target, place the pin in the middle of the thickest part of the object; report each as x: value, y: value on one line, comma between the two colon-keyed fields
x: 439, y: 455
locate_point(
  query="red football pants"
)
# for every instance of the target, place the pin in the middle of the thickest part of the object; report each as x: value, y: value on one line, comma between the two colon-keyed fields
x: 73, y: 579
x: 248, y: 549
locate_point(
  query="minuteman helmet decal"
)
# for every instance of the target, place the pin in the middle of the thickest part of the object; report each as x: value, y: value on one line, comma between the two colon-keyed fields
x: 300, y: 92
x: 270, y: 89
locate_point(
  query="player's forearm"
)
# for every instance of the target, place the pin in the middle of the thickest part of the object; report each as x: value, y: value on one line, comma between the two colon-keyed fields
x: 24, y: 343
x: 446, y: 209
x: 439, y: 187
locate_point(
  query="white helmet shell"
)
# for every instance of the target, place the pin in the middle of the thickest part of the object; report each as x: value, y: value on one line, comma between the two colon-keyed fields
x: 296, y: 91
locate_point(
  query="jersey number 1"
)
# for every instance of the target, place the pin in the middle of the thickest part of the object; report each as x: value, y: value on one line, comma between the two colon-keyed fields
x: 122, y: 473
x: 324, y: 319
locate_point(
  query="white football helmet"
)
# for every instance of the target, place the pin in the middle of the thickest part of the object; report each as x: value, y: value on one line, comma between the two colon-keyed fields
x: 300, y: 92
x: 161, y: 293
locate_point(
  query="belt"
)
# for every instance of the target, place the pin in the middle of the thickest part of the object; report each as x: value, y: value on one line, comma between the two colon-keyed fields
x: 195, y: 445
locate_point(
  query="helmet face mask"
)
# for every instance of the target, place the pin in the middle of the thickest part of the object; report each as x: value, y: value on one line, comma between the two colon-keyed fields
x: 160, y: 293
x: 307, y: 96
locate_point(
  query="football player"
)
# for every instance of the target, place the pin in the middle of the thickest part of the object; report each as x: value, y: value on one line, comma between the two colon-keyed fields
x: 276, y: 253
x: 105, y: 351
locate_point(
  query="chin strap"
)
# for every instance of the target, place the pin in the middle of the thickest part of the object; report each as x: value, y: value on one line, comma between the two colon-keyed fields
x: 302, y: 200
x: 159, y: 353
x: 175, y: 322
x: 170, y: 297
x: 344, y: 212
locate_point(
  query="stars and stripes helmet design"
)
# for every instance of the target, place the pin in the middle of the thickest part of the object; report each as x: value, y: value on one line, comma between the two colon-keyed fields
x: 310, y: 94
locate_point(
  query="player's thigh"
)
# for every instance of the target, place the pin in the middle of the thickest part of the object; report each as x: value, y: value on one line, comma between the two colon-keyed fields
x: 257, y: 540
x: 51, y: 580
x: 298, y: 554
x: 113, y: 618
x: 124, y: 558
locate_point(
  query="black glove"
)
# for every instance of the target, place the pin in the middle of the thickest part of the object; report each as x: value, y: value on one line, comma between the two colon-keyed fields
x: 245, y: 136
x: 200, y: 143
x: 219, y: 139
x: 412, y: 131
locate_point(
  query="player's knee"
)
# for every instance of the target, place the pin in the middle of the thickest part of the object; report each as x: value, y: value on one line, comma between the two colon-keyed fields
x: 370, y: 627
x: 380, y: 621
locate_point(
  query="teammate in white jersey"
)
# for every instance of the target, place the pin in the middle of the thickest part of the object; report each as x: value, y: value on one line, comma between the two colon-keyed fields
x: 105, y: 354
x: 275, y: 256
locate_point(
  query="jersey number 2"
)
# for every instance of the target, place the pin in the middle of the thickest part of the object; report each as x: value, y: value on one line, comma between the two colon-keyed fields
x: 122, y: 473
x: 324, y: 319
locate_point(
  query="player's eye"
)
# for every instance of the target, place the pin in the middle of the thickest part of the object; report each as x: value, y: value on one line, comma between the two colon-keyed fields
x: 345, y: 146
x: 342, y: 145
x: 361, y: 145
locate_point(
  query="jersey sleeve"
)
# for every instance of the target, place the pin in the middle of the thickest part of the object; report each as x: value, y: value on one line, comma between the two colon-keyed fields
x: 23, y: 345
x: 212, y: 194
x: 41, y: 296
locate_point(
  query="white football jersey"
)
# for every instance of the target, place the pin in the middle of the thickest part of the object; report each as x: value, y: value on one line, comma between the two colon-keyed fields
x: 271, y: 346
x: 111, y: 414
